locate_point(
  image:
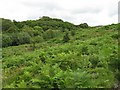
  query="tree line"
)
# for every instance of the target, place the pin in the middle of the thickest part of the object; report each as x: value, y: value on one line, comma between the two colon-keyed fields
x: 35, y: 31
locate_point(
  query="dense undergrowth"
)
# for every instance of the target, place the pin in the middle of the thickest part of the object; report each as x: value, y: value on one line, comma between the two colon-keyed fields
x: 88, y: 60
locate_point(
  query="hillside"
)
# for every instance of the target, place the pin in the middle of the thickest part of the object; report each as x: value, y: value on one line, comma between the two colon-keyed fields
x: 51, y: 53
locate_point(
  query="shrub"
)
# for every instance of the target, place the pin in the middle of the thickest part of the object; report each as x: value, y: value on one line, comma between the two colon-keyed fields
x: 93, y: 43
x: 49, y: 34
x: 38, y: 28
x: 28, y: 30
x: 72, y: 33
x: 66, y: 38
x: 20, y: 38
x: 38, y: 31
x: 115, y: 36
x: 8, y: 26
x: 114, y: 62
x: 94, y: 60
x: 106, y: 27
x: 83, y: 25
x: 13, y: 29
x: 37, y: 39
x: 6, y: 40
x: 85, y: 50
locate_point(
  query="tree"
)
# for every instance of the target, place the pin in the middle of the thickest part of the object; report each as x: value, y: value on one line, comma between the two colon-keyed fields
x: 20, y: 38
x: 28, y: 29
x: 45, y: 18
x: 49, y: 34
x: 37, y: 39
x: 38, y: 30
x: 83, y: 25
x: 8, y: 26
x: 6, y: 40
x: 13, y: 29
x: 23, y: 38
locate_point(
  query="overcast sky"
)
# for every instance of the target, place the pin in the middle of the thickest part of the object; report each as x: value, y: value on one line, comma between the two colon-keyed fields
x: 93, y: 12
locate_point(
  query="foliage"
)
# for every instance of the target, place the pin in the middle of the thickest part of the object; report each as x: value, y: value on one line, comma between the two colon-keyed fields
x: 66, y: 38
x: 8, y: 26
x: 20, y: 38
x: 72, y: 32
x: 6, y: 40
x: 28, y: 29
x: 39, y: 29
x: 83, y: 25
x: 48, y: 34
x: 87, y: 59
x: 14, y: 39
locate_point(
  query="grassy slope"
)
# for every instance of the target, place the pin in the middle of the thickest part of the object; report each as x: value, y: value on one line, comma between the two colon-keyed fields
x: 82, y: 62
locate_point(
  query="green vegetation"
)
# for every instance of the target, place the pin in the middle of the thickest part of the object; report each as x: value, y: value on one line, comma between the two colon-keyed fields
x: 51, y: 53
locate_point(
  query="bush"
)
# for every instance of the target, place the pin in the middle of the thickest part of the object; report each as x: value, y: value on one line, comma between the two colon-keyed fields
x: 49, y: 34
x: 6, y: 24
x: 37, y: 39
x: 6, y: 40
x: 114, y: 62
x: 24, y: 38
x: 66, y: 38
x: 94, y: 60
x: 106, y: 27
x: 38, y: 28
x: 12, y: 29
x: 20, y: 38
x: 38, y: 31
x: 28, y: 30
x: 83, y: 25
x: 93, y: 43
x: 85, y: 50
x: 72, y: 33
x: 115, y: 36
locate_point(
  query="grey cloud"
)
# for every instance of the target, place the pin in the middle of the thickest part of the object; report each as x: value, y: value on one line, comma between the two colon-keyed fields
x: 113, y: 9
x: 43, y: 5
x: 113, y: 13
x: 87, y: 10
x: 68, y: 10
